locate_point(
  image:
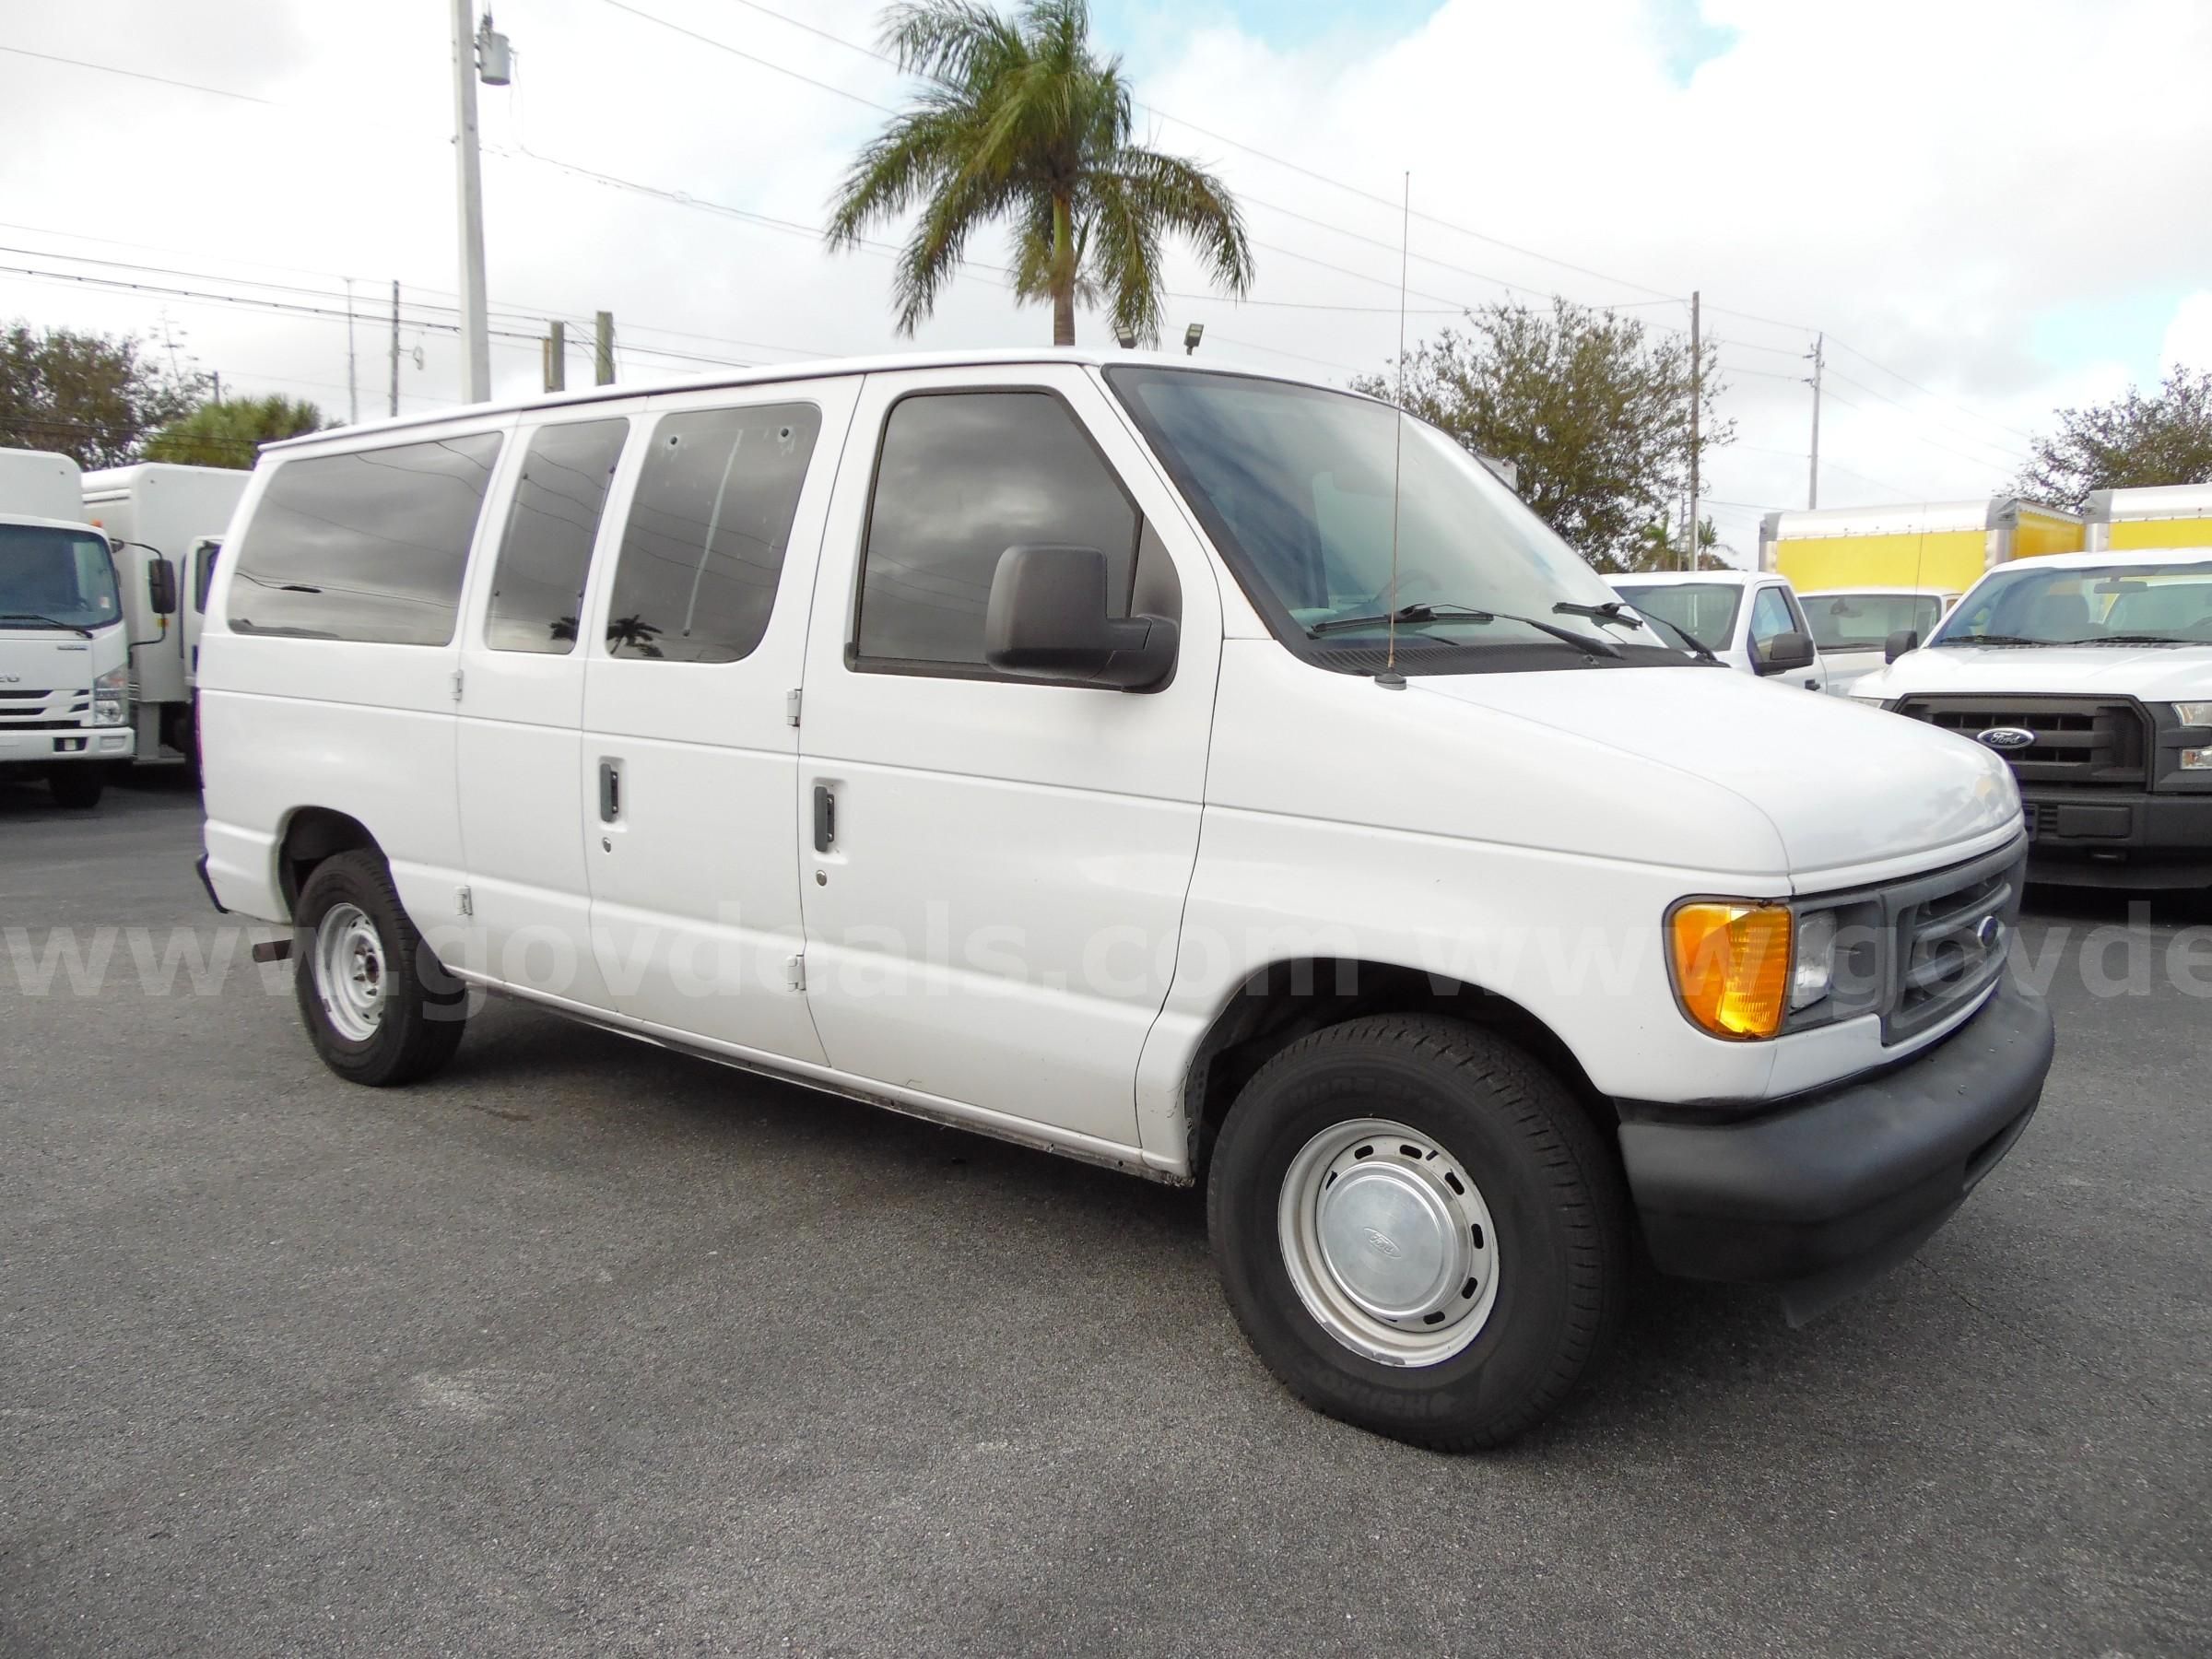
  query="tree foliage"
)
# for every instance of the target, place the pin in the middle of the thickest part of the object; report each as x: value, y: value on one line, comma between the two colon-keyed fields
x: 1591, y: 408
x: 1659, y: 547
x: 2165, y: 438
x: 1021, y: 122
x: 231, y: 433
x: 89, y: 396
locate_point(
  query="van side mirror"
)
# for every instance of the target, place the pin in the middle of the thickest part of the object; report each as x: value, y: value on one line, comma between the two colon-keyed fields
x: 1902, y: 640
x: 1785, y: 652
x: 162, y: 586
x: 1047, y: 620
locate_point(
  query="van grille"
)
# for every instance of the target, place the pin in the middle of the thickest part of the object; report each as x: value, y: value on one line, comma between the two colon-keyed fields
x: 38, y: 711
x: 2087, y: 741
x: 1948, y: 953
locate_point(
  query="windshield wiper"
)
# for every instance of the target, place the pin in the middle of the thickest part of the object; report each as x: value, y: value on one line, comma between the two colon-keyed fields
x: 2133, y: 638
x: 1991, y: 640
x: 1698, y: 647
x: 1406, y: 615
x: 75, y: 628
x: 1613, y: 610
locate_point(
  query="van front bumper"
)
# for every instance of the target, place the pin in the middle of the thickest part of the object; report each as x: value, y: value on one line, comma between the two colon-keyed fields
x: 1824, y: 1192
x: 49, y: 748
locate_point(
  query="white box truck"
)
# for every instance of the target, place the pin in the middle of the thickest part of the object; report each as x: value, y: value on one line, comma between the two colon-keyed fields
x: 63, y: 652
x: 157, y: 515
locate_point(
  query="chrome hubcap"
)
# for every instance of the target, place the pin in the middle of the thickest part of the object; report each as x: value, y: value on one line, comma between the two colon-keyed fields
x: 348, y: 963
x: 1388, y: 1242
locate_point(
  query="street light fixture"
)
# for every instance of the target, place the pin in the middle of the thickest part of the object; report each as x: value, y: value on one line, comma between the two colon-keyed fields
x: 1191, y: 336
x: 1125, y: 339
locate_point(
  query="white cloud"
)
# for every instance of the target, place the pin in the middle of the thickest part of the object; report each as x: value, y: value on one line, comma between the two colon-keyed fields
x: 1921, y: 180
x: 2188, y: 343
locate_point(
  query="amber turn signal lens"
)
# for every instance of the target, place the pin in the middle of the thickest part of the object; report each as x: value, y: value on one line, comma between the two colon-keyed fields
x: 1731, y: 966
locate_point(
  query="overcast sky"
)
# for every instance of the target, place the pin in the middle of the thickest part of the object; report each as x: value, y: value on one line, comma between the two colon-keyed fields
x: 1992, y: 210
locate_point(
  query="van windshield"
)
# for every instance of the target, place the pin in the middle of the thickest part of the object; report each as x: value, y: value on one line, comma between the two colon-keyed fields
x: 1294, y: 483
x: 54, y: 576
x: 1704, y: 610
x: 1865, y: 622
x: 2122, y: 604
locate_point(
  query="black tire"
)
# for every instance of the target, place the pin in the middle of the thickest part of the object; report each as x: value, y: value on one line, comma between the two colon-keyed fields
x: 1550, y: 1183
x: 78, y: 787
x: 423, y: 1008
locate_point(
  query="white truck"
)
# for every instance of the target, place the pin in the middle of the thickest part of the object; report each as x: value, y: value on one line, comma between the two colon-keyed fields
x: 1853, y: 626
x: 64, y: 651
x: 1748, y: 619
x: 157, y: 515
x: 1219, y: 777
x: 2091, y: 674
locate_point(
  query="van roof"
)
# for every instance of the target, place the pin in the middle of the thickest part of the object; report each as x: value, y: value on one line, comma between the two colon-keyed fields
x: 2118, y: 555
x: 1675, y: 578
x: 773, y: 373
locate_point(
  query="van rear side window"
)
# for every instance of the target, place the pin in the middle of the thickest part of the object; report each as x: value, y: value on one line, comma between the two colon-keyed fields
x: 703, y: 549
x: 368, y: 545
x: 537, y: 591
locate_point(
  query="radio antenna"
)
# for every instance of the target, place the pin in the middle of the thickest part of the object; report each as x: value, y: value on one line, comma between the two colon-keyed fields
x: 1397, y: 425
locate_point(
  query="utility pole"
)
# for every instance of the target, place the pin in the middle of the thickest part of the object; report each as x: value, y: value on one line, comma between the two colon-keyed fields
x: 219, y: 385
x: 476, y: 340
x: 353, y: 385
x: 1697, y: 389
x: 1812, y: 482
x: 394, y: 345
x: 556, y: 345
x: 603, y: 349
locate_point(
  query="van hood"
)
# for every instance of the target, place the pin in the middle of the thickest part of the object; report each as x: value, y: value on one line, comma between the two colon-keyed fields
x: 1841, y: 782
x: 2155, y: 673
x: 44, y: 659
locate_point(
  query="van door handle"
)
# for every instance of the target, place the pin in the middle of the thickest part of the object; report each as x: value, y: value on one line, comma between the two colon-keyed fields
x: 610, y: 790
x: 825, y: 818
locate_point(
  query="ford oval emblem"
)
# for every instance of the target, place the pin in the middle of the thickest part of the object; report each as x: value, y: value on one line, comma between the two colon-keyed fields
x: 1383, y: 1244
x: 2006, y: 738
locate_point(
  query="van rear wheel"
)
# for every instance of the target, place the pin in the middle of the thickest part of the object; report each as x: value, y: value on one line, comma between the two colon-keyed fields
x: 380, y: 1007
x: 1419, y: 1229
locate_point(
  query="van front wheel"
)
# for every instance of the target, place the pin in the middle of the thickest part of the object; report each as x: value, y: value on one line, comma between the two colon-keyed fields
x: 1419, y: 1229
x: 379, y: 1007
x: 79, y: 785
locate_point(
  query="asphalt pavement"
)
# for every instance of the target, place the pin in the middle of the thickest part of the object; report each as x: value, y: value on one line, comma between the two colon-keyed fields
x: 586, y: 1347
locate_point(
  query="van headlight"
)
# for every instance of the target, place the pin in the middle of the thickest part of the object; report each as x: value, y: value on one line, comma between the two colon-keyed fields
x: 110, y: 693
x: 1813, y: 968
x: 1732, y: 966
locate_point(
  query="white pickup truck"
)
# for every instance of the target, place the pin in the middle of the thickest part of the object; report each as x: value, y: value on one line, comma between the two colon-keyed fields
x: 1220, y: 777
x: 1748, y: 619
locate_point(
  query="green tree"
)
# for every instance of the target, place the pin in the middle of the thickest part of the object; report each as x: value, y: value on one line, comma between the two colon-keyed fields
x: 1591, y: 408
x: 231, y: 433
x: 2165, y: 438
x: 1022, y: 121
x: 1659, y: 547
x: 89, y: 396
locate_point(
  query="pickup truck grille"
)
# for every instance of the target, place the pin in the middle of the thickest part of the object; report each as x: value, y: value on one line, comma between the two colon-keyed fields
x: 2087, y: 741
x: 43, y: 711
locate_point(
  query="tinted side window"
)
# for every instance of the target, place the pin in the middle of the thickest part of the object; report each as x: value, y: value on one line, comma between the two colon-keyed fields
x: 537, y: 589
x: 704, y: 546
x: 367, y: 546
x: 962, y: 478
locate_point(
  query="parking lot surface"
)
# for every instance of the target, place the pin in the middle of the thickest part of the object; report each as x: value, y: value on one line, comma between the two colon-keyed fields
x: 586, y: 1347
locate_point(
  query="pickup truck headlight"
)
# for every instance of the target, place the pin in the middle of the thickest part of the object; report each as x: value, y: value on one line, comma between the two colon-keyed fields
x: 1734, y: 969
x: 111, y: 692
x: 2194, y: 713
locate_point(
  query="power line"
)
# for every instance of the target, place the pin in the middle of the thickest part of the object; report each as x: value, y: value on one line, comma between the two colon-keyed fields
x: 749, y: 58
x: 162, y: 80
x: 1893, y: 402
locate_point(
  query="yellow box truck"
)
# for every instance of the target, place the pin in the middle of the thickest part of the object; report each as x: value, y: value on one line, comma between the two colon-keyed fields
x: 2176, y: 515
x: 1932, y: 544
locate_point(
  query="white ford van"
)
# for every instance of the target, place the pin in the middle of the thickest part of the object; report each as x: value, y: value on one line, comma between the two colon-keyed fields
x: 1099, y: 753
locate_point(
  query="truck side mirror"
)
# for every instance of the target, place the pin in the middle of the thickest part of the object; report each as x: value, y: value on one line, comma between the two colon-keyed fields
x: 162, y: 586
x: 1902, y: 640
x: 1047, y: 620
x: 1785, y: 652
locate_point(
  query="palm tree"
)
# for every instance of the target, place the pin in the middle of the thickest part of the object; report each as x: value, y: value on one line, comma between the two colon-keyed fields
x: 1022, y: 122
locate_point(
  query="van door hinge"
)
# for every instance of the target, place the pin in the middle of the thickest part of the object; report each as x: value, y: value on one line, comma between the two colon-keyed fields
x: 795, y: 973
x: 457, y: 679
x: 468, y: 901
x: 790, y: 707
